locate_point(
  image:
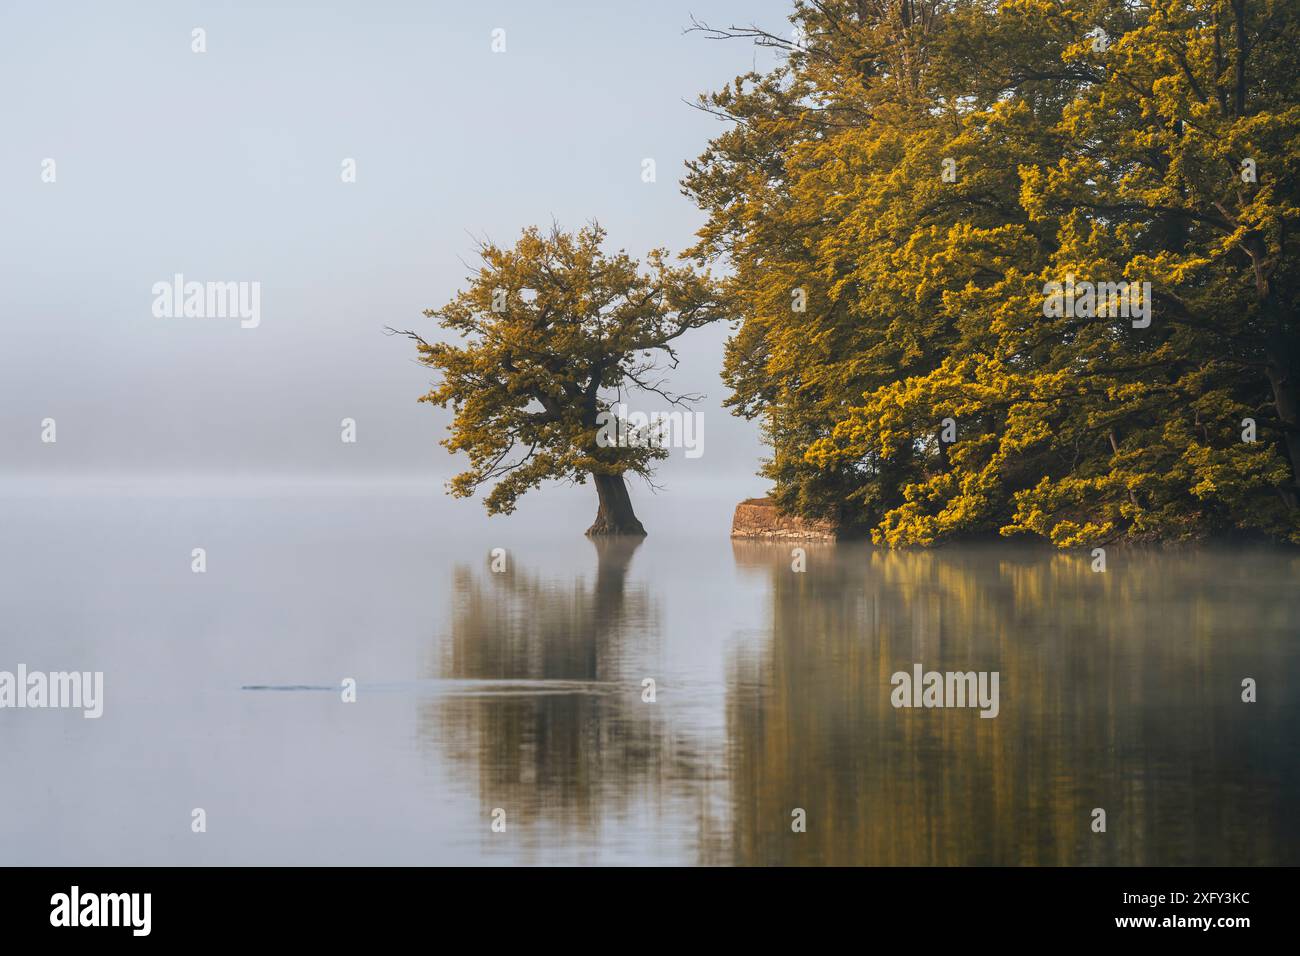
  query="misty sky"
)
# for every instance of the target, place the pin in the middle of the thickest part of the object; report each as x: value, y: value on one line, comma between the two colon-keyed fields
x: 225, y: 166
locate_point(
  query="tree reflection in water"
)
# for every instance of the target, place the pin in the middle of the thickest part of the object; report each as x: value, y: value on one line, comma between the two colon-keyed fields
x: 553, y: 723
x: 1118, y: 690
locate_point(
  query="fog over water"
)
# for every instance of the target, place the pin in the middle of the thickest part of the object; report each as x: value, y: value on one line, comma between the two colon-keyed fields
x: 226, y: 166
x: 520, y: 690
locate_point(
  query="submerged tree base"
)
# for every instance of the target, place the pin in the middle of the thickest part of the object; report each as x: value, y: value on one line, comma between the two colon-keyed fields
x: 615, y: 515
x: 603, y: 528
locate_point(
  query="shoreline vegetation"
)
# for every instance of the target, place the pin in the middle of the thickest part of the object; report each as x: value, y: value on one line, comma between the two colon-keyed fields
x: 920, y: 204
x: 758, y: 521
x: 1020, y: 269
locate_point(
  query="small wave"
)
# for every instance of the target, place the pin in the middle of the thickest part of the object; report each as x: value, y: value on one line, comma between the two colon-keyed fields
x: 469, y: 687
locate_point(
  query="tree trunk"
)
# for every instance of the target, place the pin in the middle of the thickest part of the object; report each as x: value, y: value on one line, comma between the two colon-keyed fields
x: 1114, y: 447
x: 1284, y: 399
x: 614, y: 516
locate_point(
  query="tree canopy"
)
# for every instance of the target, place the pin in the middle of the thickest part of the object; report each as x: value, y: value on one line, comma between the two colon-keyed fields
x: 920, y: 172
x: 545, y: 335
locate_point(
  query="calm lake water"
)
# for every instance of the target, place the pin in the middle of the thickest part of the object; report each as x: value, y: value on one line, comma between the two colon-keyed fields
x: 522, y: 691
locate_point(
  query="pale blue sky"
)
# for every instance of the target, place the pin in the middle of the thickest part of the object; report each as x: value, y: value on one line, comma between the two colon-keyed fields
x: 225, y: 166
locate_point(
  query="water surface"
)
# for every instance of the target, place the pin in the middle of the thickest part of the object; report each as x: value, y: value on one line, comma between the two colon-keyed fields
x: 522, y: 691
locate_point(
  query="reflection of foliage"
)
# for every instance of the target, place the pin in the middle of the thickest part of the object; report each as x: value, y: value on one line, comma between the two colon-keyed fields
x: 1118, y: 690
x: 1093, y: 666
x: 559, y: 734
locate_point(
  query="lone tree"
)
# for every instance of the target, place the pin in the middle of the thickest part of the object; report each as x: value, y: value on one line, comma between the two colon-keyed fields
x: 552, y: 331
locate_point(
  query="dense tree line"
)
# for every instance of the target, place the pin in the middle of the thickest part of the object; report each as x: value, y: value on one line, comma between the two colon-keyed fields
x: 898, y: 202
